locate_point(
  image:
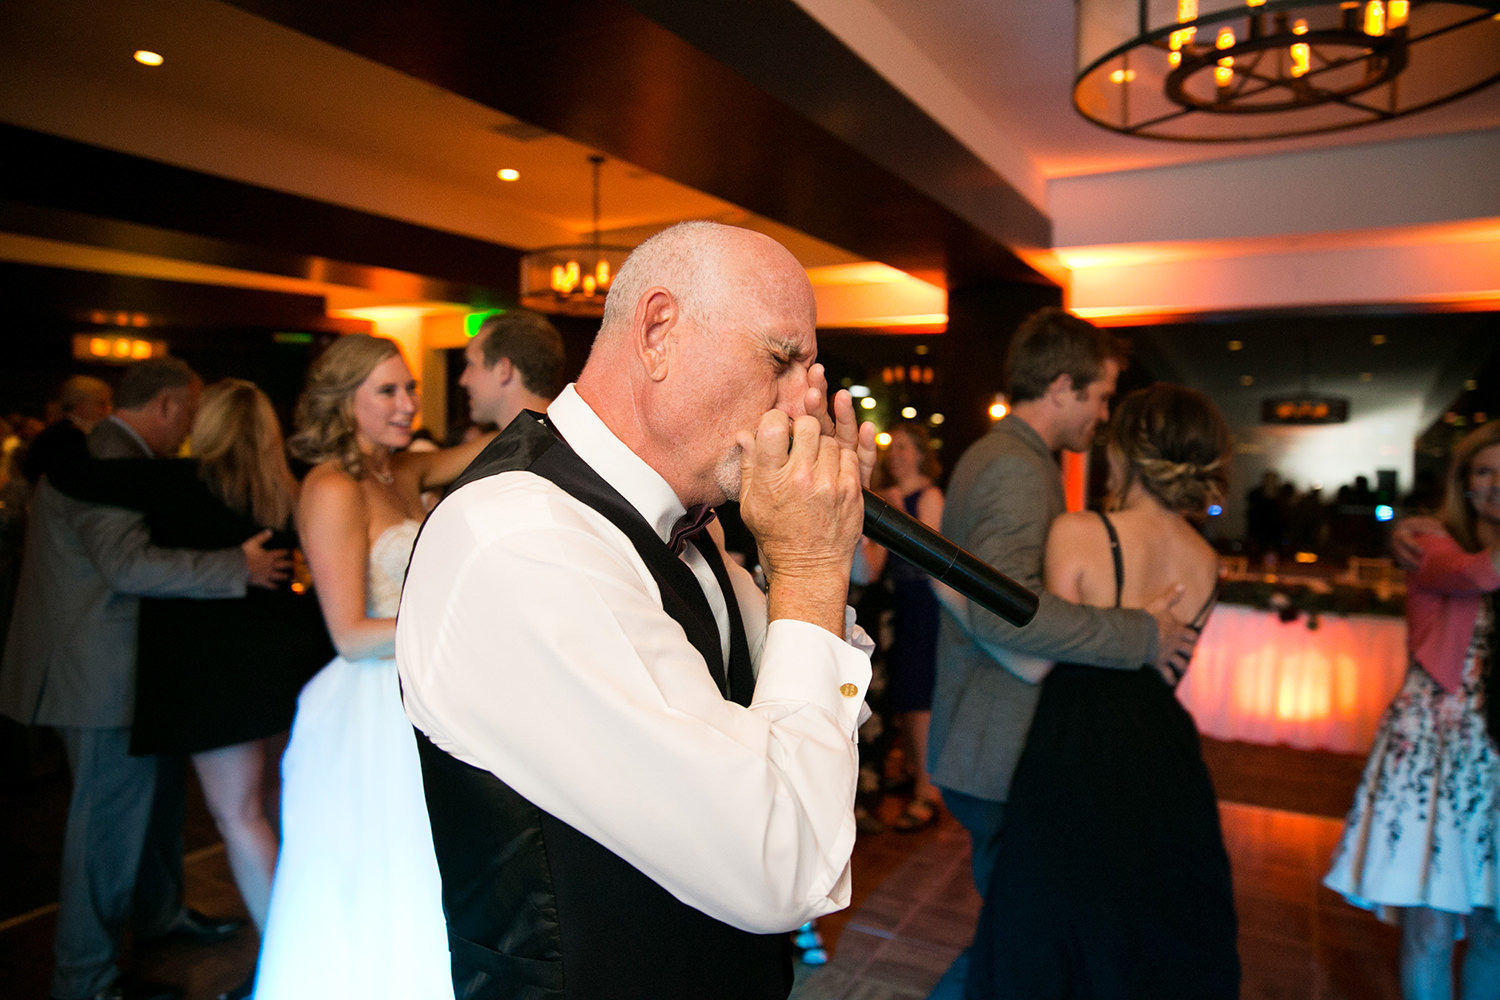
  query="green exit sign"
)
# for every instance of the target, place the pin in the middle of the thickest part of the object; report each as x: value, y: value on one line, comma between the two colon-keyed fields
x: 473, y: 320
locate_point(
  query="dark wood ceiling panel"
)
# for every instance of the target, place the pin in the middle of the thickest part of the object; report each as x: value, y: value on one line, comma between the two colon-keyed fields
x: 60, y: 189
x: 603, y: 73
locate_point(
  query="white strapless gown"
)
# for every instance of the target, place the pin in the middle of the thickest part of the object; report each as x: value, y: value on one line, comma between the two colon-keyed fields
x: 356, y: 906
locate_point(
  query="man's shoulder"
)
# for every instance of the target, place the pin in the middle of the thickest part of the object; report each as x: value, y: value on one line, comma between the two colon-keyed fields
x: 509, y: 502
x: 1000, y: 452
x: 109, y: 440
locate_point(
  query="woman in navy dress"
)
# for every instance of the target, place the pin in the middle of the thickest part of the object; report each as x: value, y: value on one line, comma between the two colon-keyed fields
x: 908, y: 469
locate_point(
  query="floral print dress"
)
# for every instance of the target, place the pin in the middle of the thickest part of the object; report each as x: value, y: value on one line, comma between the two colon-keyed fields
x: 1422, y: 830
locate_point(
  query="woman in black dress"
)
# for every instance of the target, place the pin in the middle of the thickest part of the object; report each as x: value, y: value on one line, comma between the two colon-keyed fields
x: 218, y: 679
x: 1111, y: 880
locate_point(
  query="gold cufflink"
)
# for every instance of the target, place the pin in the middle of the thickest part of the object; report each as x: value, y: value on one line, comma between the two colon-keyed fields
x: 849, y: 690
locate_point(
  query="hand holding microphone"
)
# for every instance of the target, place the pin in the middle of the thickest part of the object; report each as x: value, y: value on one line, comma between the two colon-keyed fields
x: 909, y: 538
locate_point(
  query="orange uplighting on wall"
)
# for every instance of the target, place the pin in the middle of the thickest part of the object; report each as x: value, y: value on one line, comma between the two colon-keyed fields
x: 1300, y: 702
x: 1290, y: 696
x: 111, y: 348
x: 1074, y: 478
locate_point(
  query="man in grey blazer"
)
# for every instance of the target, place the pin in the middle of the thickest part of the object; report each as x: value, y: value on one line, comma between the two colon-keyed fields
x: 70, y: 664
x: 1001, y: 500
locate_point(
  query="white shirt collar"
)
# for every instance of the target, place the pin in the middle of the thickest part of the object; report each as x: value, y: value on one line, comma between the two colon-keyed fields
x: 641, y: 486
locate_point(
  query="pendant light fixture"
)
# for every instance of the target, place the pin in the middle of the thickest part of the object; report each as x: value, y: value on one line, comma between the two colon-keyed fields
x: 1231, y: 70
x: 573, y: 279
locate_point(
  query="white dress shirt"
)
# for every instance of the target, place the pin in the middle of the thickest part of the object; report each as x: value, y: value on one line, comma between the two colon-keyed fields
x: 532, y: 643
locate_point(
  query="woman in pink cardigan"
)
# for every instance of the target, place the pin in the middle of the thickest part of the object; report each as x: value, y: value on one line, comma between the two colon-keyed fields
x: 1421, y: 844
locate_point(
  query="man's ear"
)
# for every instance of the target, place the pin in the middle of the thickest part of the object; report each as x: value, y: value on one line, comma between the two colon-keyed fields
x: 503, y: 371
x: 1061, y: 388
x: 166, y: 404
x: 656, y: 330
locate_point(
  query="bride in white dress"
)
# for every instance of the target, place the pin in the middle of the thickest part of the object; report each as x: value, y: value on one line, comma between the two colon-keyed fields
x: 355, y: 906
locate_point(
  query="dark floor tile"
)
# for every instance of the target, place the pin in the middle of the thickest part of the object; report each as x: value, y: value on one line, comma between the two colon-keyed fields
x: 875, y: 990
x: 910, y: 965
x: 857, y: 946
x: 1275, y: 970
x: 1275, y: 919
x: 1357, y: 974
x: 884, y: 911
x: 825, y: 982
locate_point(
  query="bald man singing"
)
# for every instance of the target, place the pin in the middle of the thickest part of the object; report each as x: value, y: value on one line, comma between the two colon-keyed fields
x: 640, y: 770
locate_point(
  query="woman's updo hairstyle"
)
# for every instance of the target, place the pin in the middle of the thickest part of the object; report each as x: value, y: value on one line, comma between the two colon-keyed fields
x: 1175, y: 443
x: 325, y: 412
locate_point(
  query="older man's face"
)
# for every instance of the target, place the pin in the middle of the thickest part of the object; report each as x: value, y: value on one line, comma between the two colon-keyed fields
x: 764, y: 371
x: 754, y: 357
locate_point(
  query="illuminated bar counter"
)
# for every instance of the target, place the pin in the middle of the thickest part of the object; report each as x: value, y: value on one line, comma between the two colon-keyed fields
x: 1260, y: 679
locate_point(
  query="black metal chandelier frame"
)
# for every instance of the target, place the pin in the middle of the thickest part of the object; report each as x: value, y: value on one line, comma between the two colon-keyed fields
x: 1260, y: 67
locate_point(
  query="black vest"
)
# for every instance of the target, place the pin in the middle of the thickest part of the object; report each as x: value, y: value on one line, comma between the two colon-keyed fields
x: 535, y: 909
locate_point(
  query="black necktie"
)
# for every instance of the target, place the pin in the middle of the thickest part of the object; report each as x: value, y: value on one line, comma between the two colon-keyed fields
x: 689, y: 525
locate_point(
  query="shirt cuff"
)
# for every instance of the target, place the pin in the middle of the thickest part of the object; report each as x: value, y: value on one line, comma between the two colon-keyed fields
x: 804, y: 663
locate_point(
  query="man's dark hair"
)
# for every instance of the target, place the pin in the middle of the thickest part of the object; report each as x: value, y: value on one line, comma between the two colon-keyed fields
x: 532, y: 344
x: 1052, y: 342
x: 144, y: 380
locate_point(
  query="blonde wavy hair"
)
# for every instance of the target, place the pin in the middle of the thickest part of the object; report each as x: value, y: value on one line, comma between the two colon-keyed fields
x: 1175, y: 443
x: 325, y: 411
x: 236, y: 439
x: 1458, y: 511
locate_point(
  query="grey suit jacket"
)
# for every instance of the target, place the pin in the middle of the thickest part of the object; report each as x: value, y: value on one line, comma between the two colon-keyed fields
x: 1002, y: 498
x: 70, y: 652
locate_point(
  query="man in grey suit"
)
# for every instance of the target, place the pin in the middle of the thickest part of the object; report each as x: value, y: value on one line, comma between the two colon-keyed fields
x: 70, y: 664
x: 1002, y: 498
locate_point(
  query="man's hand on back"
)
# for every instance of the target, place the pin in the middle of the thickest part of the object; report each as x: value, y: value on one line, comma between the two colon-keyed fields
x: 1175, y: 639
x: 265, y: 567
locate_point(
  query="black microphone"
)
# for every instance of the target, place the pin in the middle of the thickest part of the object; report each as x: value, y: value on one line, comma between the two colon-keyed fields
x: 946, y: 562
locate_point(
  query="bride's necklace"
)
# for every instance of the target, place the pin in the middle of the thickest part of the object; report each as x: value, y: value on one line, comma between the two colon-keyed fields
x: 386, y: 477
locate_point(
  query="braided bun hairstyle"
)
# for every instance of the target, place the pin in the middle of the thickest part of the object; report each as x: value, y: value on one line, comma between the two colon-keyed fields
x: 1175, y: 443
x: 325, y: 412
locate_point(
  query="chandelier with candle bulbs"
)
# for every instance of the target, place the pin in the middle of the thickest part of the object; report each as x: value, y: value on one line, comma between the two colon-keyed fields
x: 1230, y: 70
x: 573, y: 279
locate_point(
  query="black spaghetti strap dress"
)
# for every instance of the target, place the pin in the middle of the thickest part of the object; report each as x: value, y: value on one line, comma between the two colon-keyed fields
x: 1111, y: 882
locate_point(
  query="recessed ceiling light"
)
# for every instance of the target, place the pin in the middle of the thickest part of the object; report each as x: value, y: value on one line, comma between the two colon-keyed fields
x: 508, y: 174
x: 1247, y: 380
x: 1235, y: 345
x: 1377, y: 339
x: 1367, y: 376
x: 148, y: 58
